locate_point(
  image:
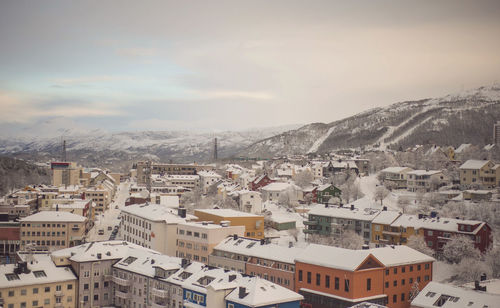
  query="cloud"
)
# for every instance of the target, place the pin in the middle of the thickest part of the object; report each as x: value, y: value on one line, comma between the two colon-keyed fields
x: 211, y: 94
x: 92, y: 79
x: 22, y: 109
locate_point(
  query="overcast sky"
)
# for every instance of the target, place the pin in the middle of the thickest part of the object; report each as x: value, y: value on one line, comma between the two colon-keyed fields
x: 217, y: 65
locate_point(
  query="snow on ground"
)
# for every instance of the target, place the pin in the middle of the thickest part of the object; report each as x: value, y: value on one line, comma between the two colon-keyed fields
x: 320, y: 140
x: 283, y: 238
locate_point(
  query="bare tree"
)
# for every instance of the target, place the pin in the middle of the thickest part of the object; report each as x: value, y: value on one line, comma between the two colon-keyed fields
x: 304, y: 178
x: 470, y: 269
x: 458, y: 248
x: 403, y: 203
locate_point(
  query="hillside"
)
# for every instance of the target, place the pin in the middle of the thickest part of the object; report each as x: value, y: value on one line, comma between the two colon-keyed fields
x: 16, y: 173
x: 466, y: 117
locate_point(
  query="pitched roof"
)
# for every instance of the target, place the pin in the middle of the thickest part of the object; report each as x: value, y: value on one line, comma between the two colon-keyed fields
x: 474, y: 164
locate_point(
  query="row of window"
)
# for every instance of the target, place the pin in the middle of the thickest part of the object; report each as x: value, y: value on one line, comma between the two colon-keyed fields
x: 327, y: 281
x: 278, y: 280
x: 28, y: 233
x: 181, y: 254
x: 36, y: 303
x: 192, y: 246
x: 403, y: 268
x: 139, y: 233
x: 23, y: 292
x: 138, y: 222
x: 45, y: 243
x: 191, y: 233
x: 43, y: 225
x: 403, y: 281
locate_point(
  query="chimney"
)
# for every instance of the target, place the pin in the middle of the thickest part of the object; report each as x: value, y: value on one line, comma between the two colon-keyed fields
x: 181, y: 212
x: 476, y: 285
x: 483, y: 277
x: 57, y: 207
x: 152, y: 261
x: 384, y: 208
x: 184, y: 263
x: 99, y: 256
x: 235, y: 237
x: 242, y: 292
x: 365, y: 247
x: 290, y: 244
x: 262, y: 241
x: 352, y: 207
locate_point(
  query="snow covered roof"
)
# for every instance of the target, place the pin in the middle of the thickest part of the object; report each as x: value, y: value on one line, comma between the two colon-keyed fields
x: 444, y: 224
x: 334, y: 257
x: 144, y: 261
x: 280, y: 186
x: 396, y: 169
x: 42, y: 271
x: 254, y: 248
x: 54, y: 216
x: 453, y: 297
x: 218, y: 278
x: 424, y: 172
x: 399, y: 255
x: 386, y: 217
x: 154, y: 212
x: 208, y: 173
x: 260, y: 292
x: 225, y: 213
x: 488, y: 147
x: 76, y: 204
x: 366, y: 214
x: 492, y: 285
x: 474, y: 164
x: 109, y: 250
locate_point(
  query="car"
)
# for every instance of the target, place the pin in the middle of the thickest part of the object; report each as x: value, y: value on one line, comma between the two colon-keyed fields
x: 110, y: 228
x: 100, y: 232
x: 116, y: 206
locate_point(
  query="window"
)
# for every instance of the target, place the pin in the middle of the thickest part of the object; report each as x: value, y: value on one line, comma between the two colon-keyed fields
x: 395, y: 270
x: 395, y: 283
x: 58, y: 288
x: 23, y: 292
x: 402, y: 282
x: 402, y: 297
x: 70, y: 287
x: 411, y: 268
x: 35, y: 290
x: 427, y: 266
x: 308, y: 277
x: 46, y: 301
x: 368, y: 284
x: 403, y: 269
x: 86, y: 286
x: 387, y: 284
x: 34, y: 303
x: 327, y: 281
x: 337, y: 283
x: 96, y: 297
x: 346, y: 285
x: 47, y: 289
x: 96, y: 285
x: 419, y: 267
x: 11, y: 293
x: 318, y: 279
x: 394, y: 298
x: 86, y: 298
x: 11, y: 277
x: 386, y: 272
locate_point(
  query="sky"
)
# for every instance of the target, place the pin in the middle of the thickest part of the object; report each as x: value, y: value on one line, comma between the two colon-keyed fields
x: 235, y: 65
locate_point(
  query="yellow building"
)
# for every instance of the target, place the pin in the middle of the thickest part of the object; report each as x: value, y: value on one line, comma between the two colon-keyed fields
x: 52, y: 230
x: 394, y: 228
x: 480, y: 172
x: 37, y: 284
x: 254, y: 224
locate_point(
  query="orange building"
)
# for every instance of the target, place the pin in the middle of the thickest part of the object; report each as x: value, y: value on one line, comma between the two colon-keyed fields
x: 332, y: 277
x: 254, y: 224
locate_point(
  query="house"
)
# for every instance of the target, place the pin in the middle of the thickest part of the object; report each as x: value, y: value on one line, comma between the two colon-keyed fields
x: 260, y: 181
x: 207, y: 179
x: 396, y: 177
x: 273, y: 192
x: 425, y: 180
x: 325, y: 192
x: 477, y: 195
x: 248, y: 200
x: 478, y: 172
x: 382, y: 232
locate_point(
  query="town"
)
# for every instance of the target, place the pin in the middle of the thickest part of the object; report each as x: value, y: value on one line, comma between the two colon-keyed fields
x: 346, y: 229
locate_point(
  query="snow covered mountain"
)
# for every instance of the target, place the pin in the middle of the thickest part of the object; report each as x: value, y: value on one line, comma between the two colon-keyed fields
x: 111, y: 149
x: 466, y: 117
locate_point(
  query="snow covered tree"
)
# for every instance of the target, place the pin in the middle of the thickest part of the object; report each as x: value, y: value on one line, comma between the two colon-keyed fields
x: 380, y: 194
x: 492, y: 259
x: 415, y: 289
x: 470, y: 269
x: 356, y: 192
x: 304, y: 178
x: 350, y: 240
x: 403, y: 203
x: 458, y: 248
x: 418, y: 243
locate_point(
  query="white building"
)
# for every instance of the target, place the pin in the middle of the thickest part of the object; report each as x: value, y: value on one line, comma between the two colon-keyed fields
x: 207, y: 179
x: 152, y: 226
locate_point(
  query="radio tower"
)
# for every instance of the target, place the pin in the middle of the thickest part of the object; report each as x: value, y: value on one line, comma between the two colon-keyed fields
x: 215, y: 149
x: 64, y: 151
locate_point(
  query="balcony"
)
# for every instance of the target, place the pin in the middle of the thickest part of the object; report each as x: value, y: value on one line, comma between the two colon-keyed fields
x: 159, y: 305
x: 75, y: 228
x: 121, y: 282
x: 159, y: 293
x: 108, y: 277
x: 309, y: 231
x: 58, y: 305
x: 58, y: 294
x: 310, y: 223
x: 391, y: 233
x: 123, y: 295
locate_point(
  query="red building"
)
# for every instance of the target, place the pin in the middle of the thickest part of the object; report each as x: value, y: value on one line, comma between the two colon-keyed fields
x: 438, y: 231
x: 259, y: 182
x: 10, y: 238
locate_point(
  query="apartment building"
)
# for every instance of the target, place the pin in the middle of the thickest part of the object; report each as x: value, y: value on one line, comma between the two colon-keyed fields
x: 196, y: 240
x: 479, y: 172
x: 259, y: 181
x: 207, y: 179
x: 335, y: 277
x: 425, y: 180
x: 273, y: 191
x: 254, y: 224
x: 65, y: 173
x: 10, y: 239
x: 145, y: 168
x: 80, y: 207
x: 52, y: 230
x: 92, y: 263
x: 332, y: 220
x: 101, y: 195
x: 396, y: 177
x: 257, y: 258
x: 35, y: 281
x: 248, y: 200
x: 153, y: 226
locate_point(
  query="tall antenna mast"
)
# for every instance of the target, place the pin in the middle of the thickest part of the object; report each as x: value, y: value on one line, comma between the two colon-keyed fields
x: 64, y: 151
x: 215, y: 149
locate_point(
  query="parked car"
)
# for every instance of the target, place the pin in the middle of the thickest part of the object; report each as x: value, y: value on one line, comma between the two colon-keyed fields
x: 100, y: 232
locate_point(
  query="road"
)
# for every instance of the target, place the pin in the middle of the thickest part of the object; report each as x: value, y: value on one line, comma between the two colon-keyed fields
x: 110, y: 217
